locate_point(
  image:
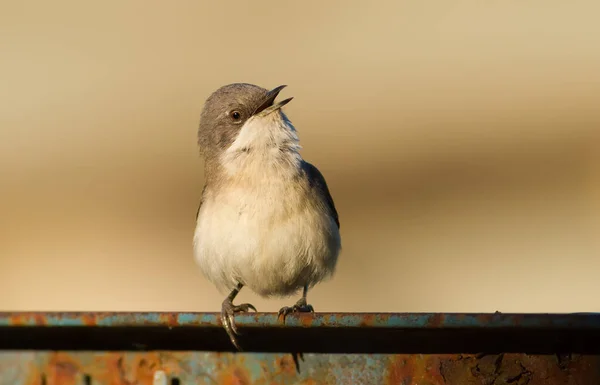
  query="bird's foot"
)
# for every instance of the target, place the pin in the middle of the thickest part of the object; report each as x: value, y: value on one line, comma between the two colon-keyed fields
x: 228, y: 310
x: 299, y: 307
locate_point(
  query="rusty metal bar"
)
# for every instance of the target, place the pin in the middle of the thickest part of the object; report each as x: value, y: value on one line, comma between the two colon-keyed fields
x: 356, y: 348
x: 317, y: 333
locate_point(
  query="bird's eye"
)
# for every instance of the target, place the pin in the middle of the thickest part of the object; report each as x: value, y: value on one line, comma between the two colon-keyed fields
x: 235, y: 115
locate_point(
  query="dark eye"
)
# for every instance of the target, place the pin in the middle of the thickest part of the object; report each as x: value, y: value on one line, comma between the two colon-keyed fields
x: 235, y: 115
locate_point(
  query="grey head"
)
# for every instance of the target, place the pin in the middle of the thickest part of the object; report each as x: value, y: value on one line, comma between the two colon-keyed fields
x: 226, y: 111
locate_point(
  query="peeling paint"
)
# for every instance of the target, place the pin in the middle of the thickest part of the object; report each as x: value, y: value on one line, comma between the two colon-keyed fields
x: 109, y: 368
x: 328, y: 320
x: 160, y: 367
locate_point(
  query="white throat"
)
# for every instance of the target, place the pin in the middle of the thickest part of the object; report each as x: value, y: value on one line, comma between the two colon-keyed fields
x: 264, y: 144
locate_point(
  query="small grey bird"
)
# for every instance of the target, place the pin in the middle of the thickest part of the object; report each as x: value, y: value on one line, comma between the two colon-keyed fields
x: 266, y: 219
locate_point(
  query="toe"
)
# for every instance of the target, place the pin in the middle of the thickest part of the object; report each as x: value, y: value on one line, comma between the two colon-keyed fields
x: 233, y: 325
x: 244, y: 308
x: 230, y: 328
x: 303, y: 309
x: 284, y: 312
x: 235, y: 343
x: 228, y: 321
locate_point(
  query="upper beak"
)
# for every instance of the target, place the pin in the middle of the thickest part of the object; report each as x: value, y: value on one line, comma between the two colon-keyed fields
x: 267, y: 105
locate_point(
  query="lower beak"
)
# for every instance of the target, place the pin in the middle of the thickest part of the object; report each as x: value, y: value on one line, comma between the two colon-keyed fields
x: 267, y: 105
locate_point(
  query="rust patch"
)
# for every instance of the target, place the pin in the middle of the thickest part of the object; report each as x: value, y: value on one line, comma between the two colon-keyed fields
x: 436, y: 321
x: 398, y: 372
x: 170, y: 319
x: 519, y: 369
x: 368, y: 320
x: 414, y: 369
x: 144, y: 366
x: 115, y: 372
x: 61, y: 369
x: 17, y: 320
x: 234, y: 375
x: 482, y: 319
x: 306, y: 319
x: 234, y: 369
x: 89, y: 320
x: 40, y: 320
x: 285, y: 365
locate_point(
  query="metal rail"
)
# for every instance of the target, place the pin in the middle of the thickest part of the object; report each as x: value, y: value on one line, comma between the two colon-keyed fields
x: 315, y: 333
x: 355, y: 348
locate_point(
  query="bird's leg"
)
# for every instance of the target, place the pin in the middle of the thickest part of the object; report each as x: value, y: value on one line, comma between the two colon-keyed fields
x: 299, y: 307
x: 228, y: 310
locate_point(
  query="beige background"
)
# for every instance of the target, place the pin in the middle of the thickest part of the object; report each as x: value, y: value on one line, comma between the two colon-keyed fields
x: 460, y: 140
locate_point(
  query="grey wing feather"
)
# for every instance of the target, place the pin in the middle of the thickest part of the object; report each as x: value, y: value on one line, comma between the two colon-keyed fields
x: 201, y: 200
x: 317, y: 181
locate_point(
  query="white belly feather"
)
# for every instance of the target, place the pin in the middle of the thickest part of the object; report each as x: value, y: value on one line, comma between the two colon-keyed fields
x: 268, y: 237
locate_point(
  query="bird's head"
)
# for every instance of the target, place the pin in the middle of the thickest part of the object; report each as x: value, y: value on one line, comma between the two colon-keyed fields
x: 243, y: 117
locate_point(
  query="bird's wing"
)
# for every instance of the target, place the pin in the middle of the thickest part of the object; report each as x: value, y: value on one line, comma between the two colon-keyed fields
x: 317, y: 182
x: 201, y: 200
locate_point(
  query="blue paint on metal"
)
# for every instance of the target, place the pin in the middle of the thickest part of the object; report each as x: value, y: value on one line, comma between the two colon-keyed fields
x: 200, y: 354
x: 185, y: 318
x: 320, y: 320
x: 209, y: 368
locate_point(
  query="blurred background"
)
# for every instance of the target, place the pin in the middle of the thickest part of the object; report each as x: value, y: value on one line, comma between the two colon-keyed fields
x: 460, y: 140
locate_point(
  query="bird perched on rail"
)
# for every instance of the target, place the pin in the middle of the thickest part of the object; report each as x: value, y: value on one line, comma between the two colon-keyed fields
x: 266, y: 219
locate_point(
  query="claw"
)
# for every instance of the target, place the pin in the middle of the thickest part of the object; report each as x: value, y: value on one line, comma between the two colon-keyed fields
x: 297, y: 357
x: 244, y: 307
x: 228, y: 310
x: 299, y: 307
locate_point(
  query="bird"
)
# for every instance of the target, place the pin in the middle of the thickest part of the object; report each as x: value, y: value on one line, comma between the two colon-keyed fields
x: 266, y: 218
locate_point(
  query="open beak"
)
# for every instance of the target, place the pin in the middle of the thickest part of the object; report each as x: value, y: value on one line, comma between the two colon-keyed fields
x: 267, y: 105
